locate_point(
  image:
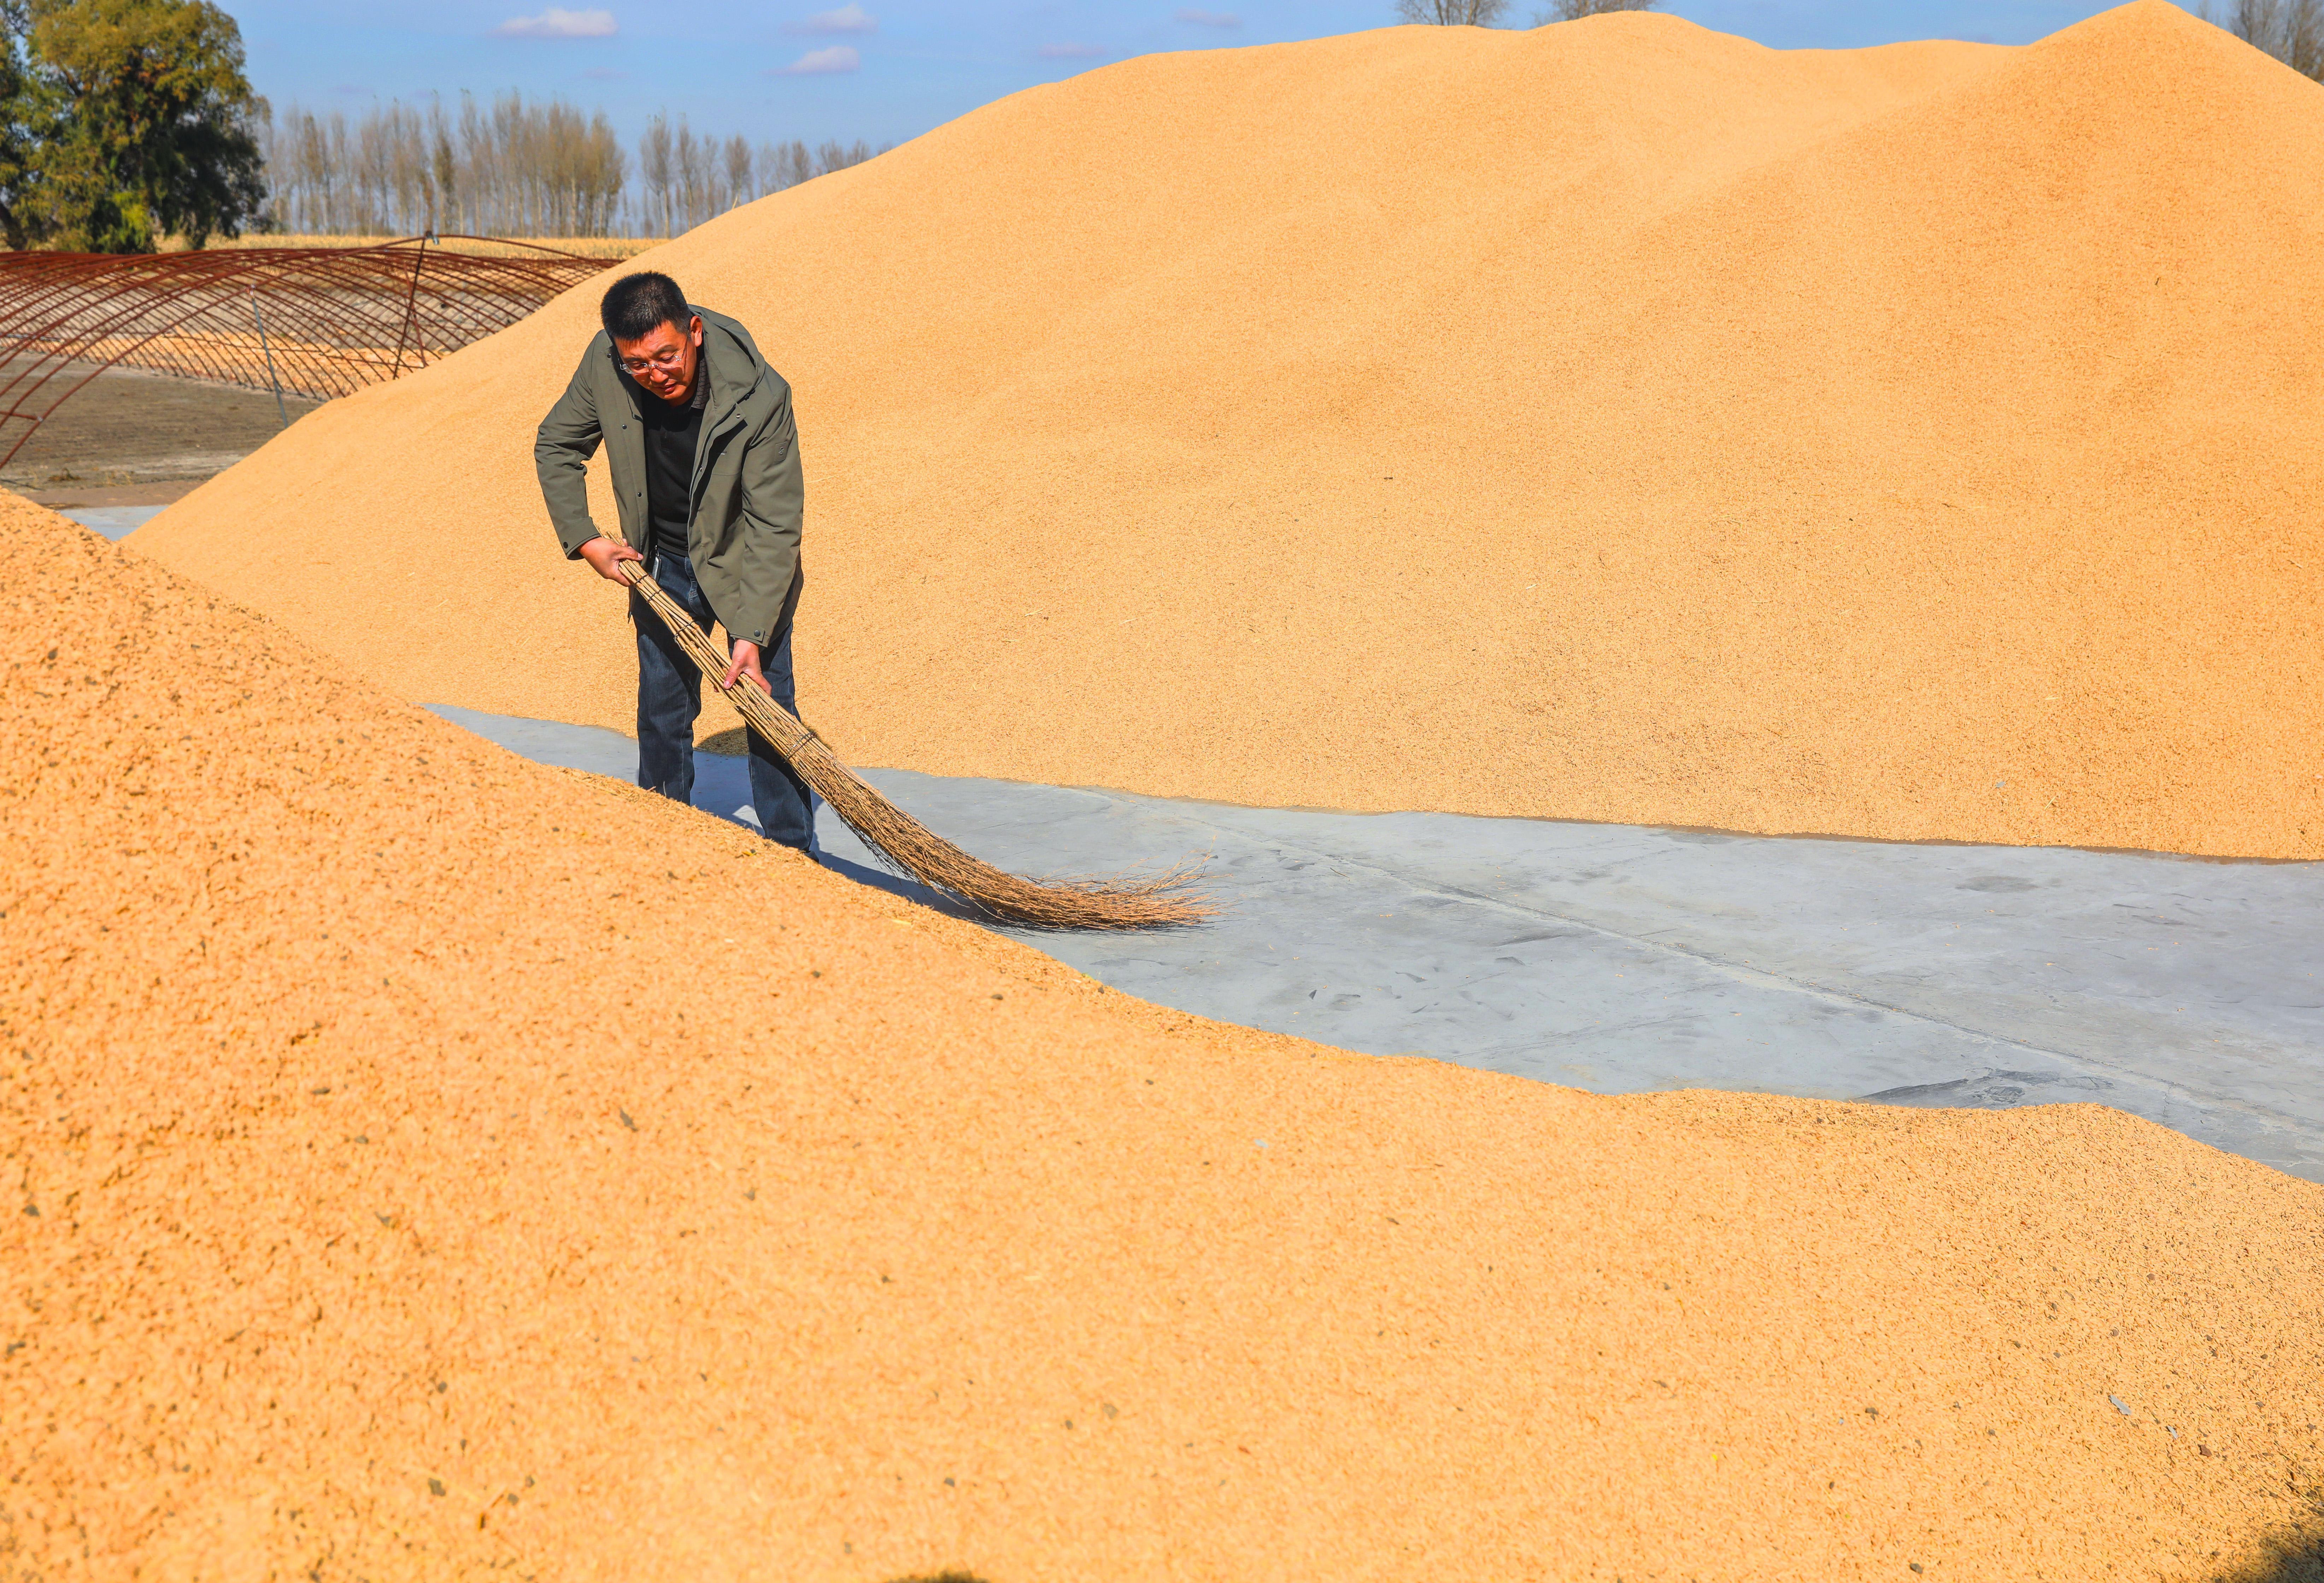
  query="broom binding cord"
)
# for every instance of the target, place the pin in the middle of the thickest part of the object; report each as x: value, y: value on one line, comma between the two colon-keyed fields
x: 903, y: 841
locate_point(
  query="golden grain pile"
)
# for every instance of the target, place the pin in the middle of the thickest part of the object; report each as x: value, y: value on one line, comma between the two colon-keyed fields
x: 1615, y: 420
x: 419, y: 1164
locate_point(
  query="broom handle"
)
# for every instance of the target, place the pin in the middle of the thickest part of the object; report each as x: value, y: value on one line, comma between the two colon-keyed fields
x: 903, y: 841
x: 778, y: 725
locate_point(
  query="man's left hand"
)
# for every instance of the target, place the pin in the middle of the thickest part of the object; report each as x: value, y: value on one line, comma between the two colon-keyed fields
x: 746, y: 668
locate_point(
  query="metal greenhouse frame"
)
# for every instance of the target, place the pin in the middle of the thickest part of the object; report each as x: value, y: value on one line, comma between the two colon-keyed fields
x: 317, y: 321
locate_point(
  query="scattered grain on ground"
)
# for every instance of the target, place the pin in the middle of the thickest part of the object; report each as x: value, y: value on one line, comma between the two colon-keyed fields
x: 420, y: 1164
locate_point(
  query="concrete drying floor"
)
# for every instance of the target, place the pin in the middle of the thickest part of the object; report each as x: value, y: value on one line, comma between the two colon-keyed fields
x: 113, y: 521
x: 1617, y: 958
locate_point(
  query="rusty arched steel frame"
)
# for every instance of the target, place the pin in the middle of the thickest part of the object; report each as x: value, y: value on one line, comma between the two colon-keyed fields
x: 318, y: 321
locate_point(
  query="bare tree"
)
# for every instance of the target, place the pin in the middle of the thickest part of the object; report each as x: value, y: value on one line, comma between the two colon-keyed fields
x: 740, y: 188
x: 1453, y: 13
x: 2292, y: 30
x: 778, y: 165
x: 654, y: 165
x: 516, y: 168
x: 690, y: 163
x: 1575, y: 10
x: 446, y: 189
x: 838, y: 156
x: 482, y: 195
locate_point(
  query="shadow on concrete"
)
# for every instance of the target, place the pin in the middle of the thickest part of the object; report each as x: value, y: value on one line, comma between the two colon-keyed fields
x: 1997, y: 1090
x: 896, y: 886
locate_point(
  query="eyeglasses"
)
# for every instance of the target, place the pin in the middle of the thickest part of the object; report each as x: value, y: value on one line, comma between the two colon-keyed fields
x: 662, y: 360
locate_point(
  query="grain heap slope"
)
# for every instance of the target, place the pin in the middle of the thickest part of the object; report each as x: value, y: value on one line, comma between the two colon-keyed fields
x: 422, y: 1163
x: 1615, y: 420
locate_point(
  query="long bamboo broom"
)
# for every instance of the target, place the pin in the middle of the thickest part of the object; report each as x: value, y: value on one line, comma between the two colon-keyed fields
x: 903, y: 841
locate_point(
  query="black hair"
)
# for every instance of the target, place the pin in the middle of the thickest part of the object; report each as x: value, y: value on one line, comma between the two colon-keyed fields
x: 636, y: 304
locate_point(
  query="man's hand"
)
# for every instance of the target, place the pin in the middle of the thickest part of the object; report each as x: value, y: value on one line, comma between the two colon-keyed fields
x: 607, y: 556
x: 746, y: 666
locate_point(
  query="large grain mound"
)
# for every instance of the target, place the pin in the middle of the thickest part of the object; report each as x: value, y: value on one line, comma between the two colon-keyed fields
x: 1612, y: 422
x: 421, y: 1163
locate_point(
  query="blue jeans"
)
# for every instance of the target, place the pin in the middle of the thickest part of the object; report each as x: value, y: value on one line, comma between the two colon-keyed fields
x: 670, y: 698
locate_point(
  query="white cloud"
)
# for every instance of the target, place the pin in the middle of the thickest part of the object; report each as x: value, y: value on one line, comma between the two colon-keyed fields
x: 558, y: 23
x: 1210, y: 18
x: 1069, y: 51
x: 817, y: 63
x: 850, y: 18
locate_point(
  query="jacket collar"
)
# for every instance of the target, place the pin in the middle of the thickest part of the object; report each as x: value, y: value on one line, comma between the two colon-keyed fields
x: 732, y: 363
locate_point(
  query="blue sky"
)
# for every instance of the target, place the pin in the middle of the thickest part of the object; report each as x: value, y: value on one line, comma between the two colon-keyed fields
x: 892, y: 69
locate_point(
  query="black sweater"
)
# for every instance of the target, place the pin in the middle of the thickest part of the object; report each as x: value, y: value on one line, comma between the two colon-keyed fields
x: 672, y: 434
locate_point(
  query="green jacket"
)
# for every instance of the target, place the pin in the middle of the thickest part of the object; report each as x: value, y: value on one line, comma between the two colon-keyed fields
x: 744, y: 537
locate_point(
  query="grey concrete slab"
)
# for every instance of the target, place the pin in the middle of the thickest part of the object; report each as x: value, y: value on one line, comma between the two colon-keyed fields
x: 113, y: 521
x: 1619, y: 960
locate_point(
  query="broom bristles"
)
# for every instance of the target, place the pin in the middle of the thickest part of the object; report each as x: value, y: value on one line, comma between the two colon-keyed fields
x: 1123, y: 902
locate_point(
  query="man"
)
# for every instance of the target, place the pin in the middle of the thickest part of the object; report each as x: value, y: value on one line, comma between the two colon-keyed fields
x: 705, y: 459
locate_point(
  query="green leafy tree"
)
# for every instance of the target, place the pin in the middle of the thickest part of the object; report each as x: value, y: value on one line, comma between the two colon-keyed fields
x: 136, y: 122
x: 28, y: 125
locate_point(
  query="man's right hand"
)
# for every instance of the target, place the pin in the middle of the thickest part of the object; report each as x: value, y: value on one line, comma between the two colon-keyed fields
x: 607, y: 556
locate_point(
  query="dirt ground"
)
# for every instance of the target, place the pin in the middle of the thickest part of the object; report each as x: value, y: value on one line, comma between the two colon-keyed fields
x: 130, y: 437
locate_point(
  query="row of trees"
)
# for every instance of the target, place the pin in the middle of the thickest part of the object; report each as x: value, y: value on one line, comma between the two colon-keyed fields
x: 1488, y: 13
x: 687, y: 178
x: 125, y: 122
x: 515, y: 168
x: 512, y: 169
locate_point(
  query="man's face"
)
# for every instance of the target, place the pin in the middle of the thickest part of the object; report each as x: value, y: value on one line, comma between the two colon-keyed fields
x: 663, y: 359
